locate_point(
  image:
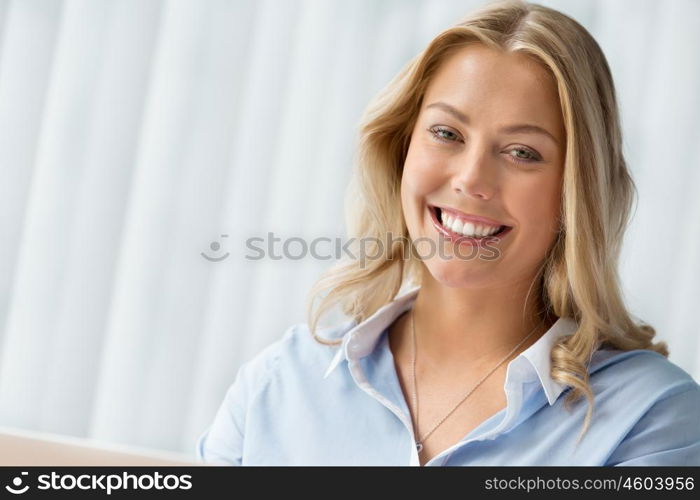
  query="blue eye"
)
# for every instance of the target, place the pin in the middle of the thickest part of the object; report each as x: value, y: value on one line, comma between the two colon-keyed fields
x: 523, y: 154
x: 532, y: 157
x: 436, y: 131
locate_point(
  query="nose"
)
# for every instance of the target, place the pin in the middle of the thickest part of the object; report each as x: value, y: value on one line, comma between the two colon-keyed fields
x: 475, y: 173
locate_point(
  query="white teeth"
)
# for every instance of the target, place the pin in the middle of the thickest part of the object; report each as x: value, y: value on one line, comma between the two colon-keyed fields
x: 468, y: 229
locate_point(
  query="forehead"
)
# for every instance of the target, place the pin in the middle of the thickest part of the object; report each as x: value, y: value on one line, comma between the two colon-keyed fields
x: 491, y: 84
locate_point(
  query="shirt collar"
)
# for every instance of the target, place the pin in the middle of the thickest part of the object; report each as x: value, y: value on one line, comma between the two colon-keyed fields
x: 362, y: 338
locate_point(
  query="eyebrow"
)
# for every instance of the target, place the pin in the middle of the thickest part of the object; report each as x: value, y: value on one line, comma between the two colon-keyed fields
x: 510, y: 129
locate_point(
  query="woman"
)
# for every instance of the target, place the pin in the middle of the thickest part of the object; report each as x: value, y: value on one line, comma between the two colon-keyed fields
x: 493, y: 327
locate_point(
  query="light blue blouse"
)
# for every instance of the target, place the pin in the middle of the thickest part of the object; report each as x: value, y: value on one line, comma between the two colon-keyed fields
x: 299, y: 402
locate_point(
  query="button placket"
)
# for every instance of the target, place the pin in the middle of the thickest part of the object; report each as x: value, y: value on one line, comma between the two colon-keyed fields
x: 364, y: 384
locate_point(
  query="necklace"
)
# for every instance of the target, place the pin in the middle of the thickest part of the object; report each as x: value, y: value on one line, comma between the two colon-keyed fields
x: 420, y: 441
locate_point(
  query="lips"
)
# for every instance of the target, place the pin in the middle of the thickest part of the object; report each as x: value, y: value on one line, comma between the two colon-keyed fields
x: 478, y: 220
x: 435, y: 213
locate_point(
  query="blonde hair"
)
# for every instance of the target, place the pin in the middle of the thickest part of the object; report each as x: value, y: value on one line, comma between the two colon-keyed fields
x: 579, y: 277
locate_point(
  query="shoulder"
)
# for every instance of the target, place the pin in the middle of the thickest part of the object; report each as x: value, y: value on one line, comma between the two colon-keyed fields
x: 648, y: 386
x: 652, y: 402
x: 640, y: 370
x: 296, y: 350
x: 280, y: 373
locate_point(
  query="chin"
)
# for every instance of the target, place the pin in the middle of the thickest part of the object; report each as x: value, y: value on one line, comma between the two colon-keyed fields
x: 460, y: 274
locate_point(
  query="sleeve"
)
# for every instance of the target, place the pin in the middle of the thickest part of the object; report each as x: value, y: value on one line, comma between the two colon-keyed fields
x: 222, y: 442
x: 667, y: 434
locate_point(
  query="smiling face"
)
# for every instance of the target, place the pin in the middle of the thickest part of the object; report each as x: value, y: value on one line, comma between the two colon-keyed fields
x: 489, y: 141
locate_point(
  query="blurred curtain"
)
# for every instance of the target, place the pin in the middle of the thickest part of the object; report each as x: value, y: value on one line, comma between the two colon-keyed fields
x: 135, y: 136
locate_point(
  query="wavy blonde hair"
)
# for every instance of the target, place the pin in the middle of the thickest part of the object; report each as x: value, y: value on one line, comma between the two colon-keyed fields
x: 579, y: 277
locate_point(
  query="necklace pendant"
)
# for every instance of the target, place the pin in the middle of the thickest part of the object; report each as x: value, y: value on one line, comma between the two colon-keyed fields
x: 419, y: 447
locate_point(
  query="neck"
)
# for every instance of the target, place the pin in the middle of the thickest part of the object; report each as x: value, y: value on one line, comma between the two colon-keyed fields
x: 455, y: 326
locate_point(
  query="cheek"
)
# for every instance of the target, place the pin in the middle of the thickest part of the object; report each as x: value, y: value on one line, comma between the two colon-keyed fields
x: 422, y: 174
x: 536, y: 206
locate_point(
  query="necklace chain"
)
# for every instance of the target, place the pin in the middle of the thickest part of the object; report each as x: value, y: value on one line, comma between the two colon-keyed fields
x: 420, y: 441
